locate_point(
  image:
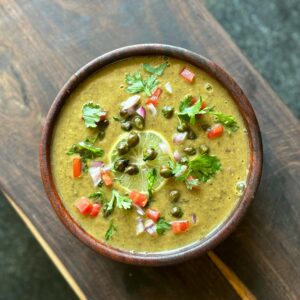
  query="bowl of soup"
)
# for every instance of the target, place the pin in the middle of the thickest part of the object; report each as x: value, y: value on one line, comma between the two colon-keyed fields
x: 151, y: 154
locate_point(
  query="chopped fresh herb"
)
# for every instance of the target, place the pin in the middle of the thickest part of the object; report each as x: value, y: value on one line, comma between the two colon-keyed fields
x: 97, y: 196
x: 204, y: 167
x: 136, y: 84
x: 123, y: 202
x: 228, y: 121
x: 151, y: 179
x: 92, y: 139
x: 158, y: 70
x: 117, y: 119
x: 180, y: 171
x: 191, y: 183
x: 162, y: 226
x: 91, y: 114
x: 188, y: 112
x: 110, y: 231
x: 86, y: 150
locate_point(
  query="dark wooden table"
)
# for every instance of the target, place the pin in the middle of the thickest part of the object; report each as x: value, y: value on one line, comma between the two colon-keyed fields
x: 41, y: 44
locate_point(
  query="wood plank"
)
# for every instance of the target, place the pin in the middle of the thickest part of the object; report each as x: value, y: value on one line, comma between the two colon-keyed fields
x: 45, y: 42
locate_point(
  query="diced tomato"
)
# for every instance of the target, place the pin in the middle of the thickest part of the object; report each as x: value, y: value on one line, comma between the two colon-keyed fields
x: 107, y: 178
x: 95, y: 210
x: 103, y: 117
x: 138, y: 198
x: 180, y: 226
x: 187, y: 74
x: 154, y: 97
x: 194, y: 100
x: 84, y: 206
x: 215, y: 131
x: 153, y: 214
x: 76, y: 167
x: 203, y: 105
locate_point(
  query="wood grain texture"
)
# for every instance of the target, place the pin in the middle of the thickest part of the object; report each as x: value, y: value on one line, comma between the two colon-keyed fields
x: 43, y: 42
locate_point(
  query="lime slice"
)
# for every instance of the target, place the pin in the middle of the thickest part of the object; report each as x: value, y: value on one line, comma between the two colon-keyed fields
x: 148, y: 139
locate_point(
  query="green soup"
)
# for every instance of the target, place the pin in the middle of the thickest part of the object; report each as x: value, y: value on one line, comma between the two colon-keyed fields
x: 208, y: 170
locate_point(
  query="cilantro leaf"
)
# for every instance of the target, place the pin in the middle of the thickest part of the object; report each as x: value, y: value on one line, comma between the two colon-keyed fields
x: 158, y: 70
x: 110, y: 231
x: 204, y: 167
x: 123, y: 202
x: 136, y: 84
x: 180, y: 171
x: 191, y: 183
x: 85, y: 150
x: 189, y: 111
x: 228, y: 121
x: 97, y: 196
x: 91, y: 114
x: 162, y: 226
x: 92, y: 139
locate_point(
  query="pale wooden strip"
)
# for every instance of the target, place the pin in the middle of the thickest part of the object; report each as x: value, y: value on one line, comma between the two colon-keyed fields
x: 57, y: 262
x: 231, y: 277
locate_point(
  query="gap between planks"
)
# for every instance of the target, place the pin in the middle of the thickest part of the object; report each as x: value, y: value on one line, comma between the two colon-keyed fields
x: 239, y: 287
x: 57, y: 262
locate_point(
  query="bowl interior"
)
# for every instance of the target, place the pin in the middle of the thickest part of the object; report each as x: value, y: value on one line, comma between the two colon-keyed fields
x: 255, y: 160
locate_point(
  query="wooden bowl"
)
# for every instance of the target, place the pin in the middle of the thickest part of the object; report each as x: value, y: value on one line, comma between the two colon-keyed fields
x: 216, y: 236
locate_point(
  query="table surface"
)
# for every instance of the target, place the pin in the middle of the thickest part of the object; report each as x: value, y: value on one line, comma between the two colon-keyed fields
x: 260, y: 259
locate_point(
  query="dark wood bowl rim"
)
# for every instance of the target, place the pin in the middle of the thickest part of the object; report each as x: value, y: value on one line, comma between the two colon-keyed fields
x: 192, y: 250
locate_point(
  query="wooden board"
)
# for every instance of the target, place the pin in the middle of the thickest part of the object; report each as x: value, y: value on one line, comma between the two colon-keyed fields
x: 41, y: 44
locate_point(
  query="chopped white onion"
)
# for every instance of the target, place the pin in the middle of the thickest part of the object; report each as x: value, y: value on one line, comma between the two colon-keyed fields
x: 152, y: 109
x: 139, y: 226
x: 96, y: 164
x: 178, y: 138
x: 131, y: 101
x: 149, y: 223
x: 194, y: 218
x: 169, y: 87
x: 164, y: 147
x: 95, y: 173
x: 177, y: 155
x: 139, y: 210
x: 141, y: 111
x: 151, y: 230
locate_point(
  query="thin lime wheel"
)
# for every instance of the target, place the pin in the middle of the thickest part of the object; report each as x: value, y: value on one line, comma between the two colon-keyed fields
x: 147, y: 139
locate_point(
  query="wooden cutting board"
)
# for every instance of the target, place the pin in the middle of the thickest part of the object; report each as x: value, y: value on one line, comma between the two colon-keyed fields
x: 42, y: 43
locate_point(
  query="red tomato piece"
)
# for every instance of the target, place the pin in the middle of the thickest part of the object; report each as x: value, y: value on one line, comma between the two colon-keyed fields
x: 153, y: 214
x: 107, y: 178
x: 95, y: 210
x: 76, y: 167
x: 103, y: 117
x: 215, y: 131
x: 180, y: 226
x: 187, y: 74
x: 194, y: 100
x: 154, y: 97
x: 138, y: 198
x: 203, y: 105
x: 84, y: 206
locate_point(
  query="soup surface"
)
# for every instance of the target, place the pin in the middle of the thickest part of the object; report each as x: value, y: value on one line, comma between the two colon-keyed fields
x: 150, y: 154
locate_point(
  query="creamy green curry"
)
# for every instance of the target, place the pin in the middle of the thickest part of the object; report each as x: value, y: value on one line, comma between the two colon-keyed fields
x: 150, y: 154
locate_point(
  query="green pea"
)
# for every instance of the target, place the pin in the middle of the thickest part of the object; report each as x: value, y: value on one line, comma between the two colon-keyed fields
x: 191, y: 135
x: 133, y: 139
x: 123, y: 148
x: 203, y: 149
x: 121, y: 164
x: 138, y: 122
x: 165, y: 172
x: 150, y: 154
x: 189, y: 150
x: 132, y: 169
x: 174, y: 195
x: 126, y: 125
x: 168, y: 111
x: 176, y: 212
